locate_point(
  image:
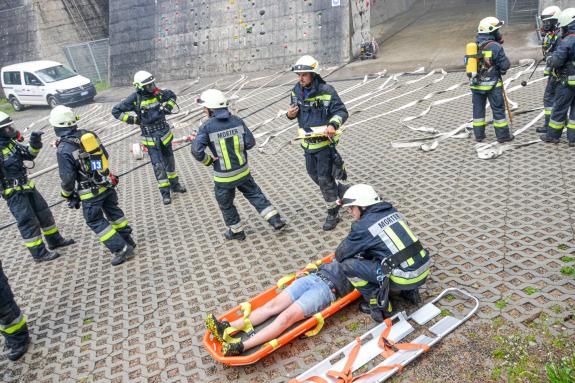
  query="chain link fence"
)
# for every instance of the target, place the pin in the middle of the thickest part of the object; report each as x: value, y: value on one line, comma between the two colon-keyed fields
x: 90, y: 59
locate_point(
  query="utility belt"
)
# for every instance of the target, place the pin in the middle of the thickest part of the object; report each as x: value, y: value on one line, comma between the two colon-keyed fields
x: 91, y: 189
x: 328, y: 282
x: 148, y: 130
x: 11, y: 185
x: 393, y: 262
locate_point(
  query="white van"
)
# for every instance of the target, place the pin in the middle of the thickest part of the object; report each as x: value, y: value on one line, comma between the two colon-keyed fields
x: 44, y: 83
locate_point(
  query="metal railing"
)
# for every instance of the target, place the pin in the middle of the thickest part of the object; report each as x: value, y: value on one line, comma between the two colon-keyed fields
x: 90, y: 59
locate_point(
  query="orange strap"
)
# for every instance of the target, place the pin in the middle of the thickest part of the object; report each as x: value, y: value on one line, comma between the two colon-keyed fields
x: 313, y: 379
x: 389, y: 347
x: 345, y: 376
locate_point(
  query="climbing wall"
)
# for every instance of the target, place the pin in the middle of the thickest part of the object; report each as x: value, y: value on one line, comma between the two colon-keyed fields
x: 178, y: 39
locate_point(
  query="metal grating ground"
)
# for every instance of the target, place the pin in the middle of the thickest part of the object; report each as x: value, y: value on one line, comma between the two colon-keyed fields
x: 493, y: 227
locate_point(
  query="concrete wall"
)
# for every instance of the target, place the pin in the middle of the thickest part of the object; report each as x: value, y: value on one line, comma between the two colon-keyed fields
x: 383, y: 10
x: 176, y: 39
x: 37, y: 29
x: 560, y: 3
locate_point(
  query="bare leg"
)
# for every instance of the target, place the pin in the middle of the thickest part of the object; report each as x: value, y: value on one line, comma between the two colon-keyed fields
x: 289, y: 316
x: 261, y: 314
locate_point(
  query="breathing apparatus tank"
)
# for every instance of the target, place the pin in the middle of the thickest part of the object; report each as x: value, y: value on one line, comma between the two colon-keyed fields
x: 471, y: 60
x: 97, y: 157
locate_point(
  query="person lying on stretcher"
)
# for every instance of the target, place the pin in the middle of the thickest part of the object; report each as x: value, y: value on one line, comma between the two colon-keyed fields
x: 306, y: 296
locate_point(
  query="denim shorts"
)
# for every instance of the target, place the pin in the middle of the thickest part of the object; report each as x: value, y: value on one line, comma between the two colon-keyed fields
x: 311, y: 293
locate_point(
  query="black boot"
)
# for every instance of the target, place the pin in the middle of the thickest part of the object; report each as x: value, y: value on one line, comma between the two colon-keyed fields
x: 412, y: 296
x: 506, y: 139
x: 166, y: 200
x: 376, y: 313
x: 546, y: 138
x: 47, y: 256
x: 122, y: 255
x: 230, y: 235
x: 332, y: 219
x: 61, y: 243
x: 232, y: 349
x: 18, y: 343
x: 130, y: 241
x: 276, y: 222
x: 179, y: 188
x: 541, y: 129
x: 216, y: 327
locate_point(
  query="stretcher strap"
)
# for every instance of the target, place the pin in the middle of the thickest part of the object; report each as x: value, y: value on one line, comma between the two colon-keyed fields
x: 318, y: 326
x: 248, y: 328
x: 284, y: 281
x: 390, y: 347
x: 345, y: 375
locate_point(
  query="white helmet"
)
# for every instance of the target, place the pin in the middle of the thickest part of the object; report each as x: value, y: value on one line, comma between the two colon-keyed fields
x: 142, y: 78
x: 5, y: 120
x: 489, y: 24
x: 213, y: 99
x: 63, y: 117
x: 566, y: 17
x: 361, y: 195
x: 550, y: 13
x: 306, y: 64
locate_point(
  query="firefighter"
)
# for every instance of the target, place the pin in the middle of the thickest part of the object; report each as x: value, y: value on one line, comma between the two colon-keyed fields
x: 229, y: 139
x: 381, y: 253
x: 150, y: 106
x: 488, y: 85
x: 320, y: 114
x: 86, y: 179
x: 13, y: 326
x: 562, y: 62
x: 25, y: 202
x: 551, y: 32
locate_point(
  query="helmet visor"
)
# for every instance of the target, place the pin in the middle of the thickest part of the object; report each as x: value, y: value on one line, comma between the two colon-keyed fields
x: 303, y: 68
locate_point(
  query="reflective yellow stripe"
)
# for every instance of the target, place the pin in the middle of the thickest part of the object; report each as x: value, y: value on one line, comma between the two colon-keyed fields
x: 108, y: 235
x: 373, y: 301
x: 148, y: 102
x: 317, y: 145
x: 207, y: 160
x: 359, y: 283
x: 7, y: 149
x: 51, y: 231
x: 34, y: 151
x: 12, y: 329
x: 225, y: 153
x: 125, y: 117
x: 423, y: 253
x: 37, y: 242
x: 488, y: 54
x: 164, y: 184
x: 479, y: 123
x: 120, y: 225
x: 336, y: 119
x: 237, y: 150
x: 148, y: 143
x: 234, y: 178
x: 403, y: 281
x: 171, y: 103
x: 321, y: 97
x: 168, y: 139
x: 408, y: 230
x: 65, y: 194
x: 91, y: 195
x: 500, y: 124
x: 172, y: 176
x: 396, y: 241
x: 410, y: 261
x: 555, y: 126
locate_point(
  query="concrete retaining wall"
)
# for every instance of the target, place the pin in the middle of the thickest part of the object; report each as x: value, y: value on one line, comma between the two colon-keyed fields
x: 176, y: 39
x: 560, y: 3
x: 383, y: 10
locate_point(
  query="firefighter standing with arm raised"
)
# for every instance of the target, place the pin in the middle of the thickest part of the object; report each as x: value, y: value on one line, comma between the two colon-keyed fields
x: 151, y: 105
x: 320, y: 114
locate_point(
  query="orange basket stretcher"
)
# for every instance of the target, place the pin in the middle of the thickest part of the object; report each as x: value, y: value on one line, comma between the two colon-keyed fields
x: 308, y: 327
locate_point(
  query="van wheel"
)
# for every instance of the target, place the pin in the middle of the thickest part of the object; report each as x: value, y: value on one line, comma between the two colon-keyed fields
x: 16, y: 104
x: 52, y: 102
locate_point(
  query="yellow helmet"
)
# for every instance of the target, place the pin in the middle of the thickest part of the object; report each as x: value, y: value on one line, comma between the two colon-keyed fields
x: 489, y: 24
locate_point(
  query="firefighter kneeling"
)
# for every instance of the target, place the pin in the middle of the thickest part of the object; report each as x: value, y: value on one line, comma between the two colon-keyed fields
x: 86, y: 178
x: 380, y: 253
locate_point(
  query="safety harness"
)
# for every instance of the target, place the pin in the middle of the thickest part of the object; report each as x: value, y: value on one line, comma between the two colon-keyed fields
x: 389, y: 348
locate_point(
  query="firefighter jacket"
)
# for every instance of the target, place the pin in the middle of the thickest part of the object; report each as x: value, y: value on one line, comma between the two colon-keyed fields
x: 228, y: 139
x: 549, y: 45
x: 75, y: 173
x: 380, y: 233
x: 13, y: 172
x: 319, y: 106
x: 563, y: 59
x: 493, y: 65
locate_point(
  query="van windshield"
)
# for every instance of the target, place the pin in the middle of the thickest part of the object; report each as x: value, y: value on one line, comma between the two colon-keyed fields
x: 55, y: 73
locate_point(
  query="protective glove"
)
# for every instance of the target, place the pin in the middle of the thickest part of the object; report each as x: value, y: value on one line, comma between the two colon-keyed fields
x: 133, y: 120
x: 36, y: 140
x: 166, y: 108
x: 73, y: 200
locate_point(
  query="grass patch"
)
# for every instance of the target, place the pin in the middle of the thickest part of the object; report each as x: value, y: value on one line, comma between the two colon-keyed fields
x: 88, y: 321
x: 353, y: 326
x: 563, y: 247
x: 567, y: 259
x: 562, y: 371
x: 445, y: 312
x: 101, y: 86
x: 530, y: 290
x: 86, y: 338
x: 5, y: 106
x: 568, y: 270
x: 450, y: 298
x: 501, y: 304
